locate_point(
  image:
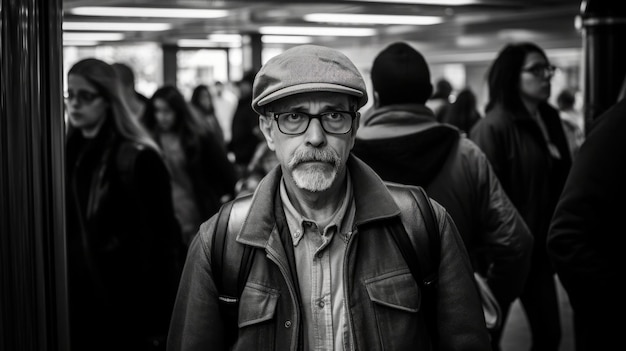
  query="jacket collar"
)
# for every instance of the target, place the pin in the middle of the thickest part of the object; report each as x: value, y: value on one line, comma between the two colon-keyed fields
x: 371, y: 198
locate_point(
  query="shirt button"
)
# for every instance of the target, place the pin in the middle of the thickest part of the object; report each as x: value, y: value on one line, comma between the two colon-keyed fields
x: 288, y: 324
x: 320, y: 255
x: 321, y: 304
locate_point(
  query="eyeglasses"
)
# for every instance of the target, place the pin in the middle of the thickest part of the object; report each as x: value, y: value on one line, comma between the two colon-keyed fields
x: 83, y: 96
x: 541, y: 71
x: 296, y: 123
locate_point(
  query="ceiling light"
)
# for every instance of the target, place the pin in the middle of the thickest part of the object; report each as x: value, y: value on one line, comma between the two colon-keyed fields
x: 147, y: 12
x: 429, y: 2
x: 80, y: 43
x: 330, y: 31
x: 286, y: 39
x: 372, y: 19
x: 225, y: 38
x: 123, y: 26
x: 100, y: 36
x: 204, y: 43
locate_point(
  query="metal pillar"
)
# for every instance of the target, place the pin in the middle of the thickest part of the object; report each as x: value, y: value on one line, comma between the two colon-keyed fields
x: 252, y: 47
x: 170, y: 64
x: 604, y: 34
x: 33, y: 294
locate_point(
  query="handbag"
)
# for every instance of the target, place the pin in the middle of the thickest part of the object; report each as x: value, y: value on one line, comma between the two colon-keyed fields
x: 491, y: 308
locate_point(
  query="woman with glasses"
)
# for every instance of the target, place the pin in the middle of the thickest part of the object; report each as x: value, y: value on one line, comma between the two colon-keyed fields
x: 202, y: 175
x: 123, y: 241
x: 522, y: 136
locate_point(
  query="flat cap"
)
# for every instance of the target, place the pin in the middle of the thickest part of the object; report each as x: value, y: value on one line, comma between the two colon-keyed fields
x: 303, y: 69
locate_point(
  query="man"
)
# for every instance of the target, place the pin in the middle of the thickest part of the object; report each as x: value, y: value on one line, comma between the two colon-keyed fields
x: 245, y: 136
x: 327, y: 274
x: 439, y: 102
x: 403, y: 142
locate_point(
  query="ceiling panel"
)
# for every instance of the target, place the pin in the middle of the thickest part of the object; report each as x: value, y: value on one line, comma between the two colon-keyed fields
x: 483, y: 26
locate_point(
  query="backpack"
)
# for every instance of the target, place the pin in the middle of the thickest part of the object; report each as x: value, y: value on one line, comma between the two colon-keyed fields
x: 230, y: 274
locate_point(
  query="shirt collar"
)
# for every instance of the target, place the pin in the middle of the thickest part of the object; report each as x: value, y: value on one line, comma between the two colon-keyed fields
x: 296, y: 221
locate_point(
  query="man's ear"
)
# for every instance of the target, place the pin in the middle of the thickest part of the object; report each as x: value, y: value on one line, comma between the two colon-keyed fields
x: 265, y: 124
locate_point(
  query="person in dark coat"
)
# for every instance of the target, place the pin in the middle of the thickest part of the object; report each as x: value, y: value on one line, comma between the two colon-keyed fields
x: 202, y: 175
x: 439, y: 102
x: 403, y: 142
x: 245, y: 136
x: 523, y: 139
x: 586, y: 239
x: 135, y: 101
x: 201, y: 103
x: 124, y: 247
x: 462, y: 113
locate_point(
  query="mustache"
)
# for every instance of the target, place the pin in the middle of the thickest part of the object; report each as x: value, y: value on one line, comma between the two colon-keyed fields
x: 319, y: 155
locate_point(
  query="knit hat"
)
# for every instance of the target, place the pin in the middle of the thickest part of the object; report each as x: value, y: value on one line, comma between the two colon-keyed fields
x: 400, y: 75
x: 307, y: 68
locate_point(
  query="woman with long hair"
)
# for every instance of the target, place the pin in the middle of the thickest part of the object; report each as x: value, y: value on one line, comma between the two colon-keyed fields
x: 202, y: 104
x: 522, y: 136
x: 124, y: 244
x: 202, y: 176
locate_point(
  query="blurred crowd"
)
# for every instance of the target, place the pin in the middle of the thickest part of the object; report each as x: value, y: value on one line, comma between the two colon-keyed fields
x: 144, y: 172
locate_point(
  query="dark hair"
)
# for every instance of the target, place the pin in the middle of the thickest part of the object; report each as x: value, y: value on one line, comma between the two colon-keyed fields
x: 504, y: 75
x: 185, y: 123
x: 463, y: 113
x: 443, y: 89
x: 195, y: 99
x: 565, y: 100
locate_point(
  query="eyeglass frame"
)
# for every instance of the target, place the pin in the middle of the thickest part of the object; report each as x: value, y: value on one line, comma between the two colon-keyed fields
x: 82, y: 96
x: 353, y: 115
x: 547, y: 71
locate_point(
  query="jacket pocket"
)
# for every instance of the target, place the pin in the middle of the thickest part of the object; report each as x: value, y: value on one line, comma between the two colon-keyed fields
x: 397, y: 290
x: 396, y: 300
x: 257, y: 304
x: 257, y: 318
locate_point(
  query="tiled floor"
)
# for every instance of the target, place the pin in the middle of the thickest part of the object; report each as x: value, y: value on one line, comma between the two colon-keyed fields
x: 516, y: 336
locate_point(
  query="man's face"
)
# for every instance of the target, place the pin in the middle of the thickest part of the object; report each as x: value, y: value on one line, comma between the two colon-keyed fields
x: 314, y: 160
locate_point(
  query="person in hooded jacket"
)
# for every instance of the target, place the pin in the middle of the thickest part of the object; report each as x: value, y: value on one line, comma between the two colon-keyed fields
x: 403, y: 142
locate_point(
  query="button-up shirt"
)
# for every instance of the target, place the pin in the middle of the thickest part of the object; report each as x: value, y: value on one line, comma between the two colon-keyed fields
x: 319, y: 264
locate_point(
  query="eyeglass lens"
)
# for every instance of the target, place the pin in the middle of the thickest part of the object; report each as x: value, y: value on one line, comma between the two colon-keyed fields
x: 333, y: 122
x: 541, y: 70
x: 82, y: 96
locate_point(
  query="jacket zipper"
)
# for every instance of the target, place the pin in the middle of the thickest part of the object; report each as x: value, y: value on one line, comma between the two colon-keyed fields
x: 283, y: 270
x: 347, y: 288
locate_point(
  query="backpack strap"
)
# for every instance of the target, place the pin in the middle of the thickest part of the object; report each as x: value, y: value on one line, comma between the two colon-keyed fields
x: 227, y: 260
x: 423, y: 256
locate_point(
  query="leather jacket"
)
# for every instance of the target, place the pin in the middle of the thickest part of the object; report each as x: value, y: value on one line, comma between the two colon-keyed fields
x: 384, y: 303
